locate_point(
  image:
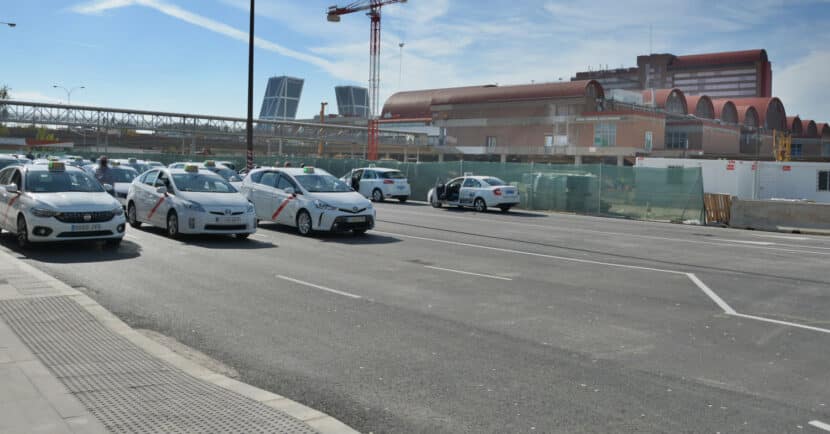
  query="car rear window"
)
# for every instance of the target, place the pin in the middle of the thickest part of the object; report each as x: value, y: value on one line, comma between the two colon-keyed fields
x: 494, y: 182
x: 392, y: 174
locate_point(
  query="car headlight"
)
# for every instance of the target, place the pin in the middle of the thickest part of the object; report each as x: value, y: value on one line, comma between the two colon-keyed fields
x: 193, y: 206
x: 44, y: 212
x: 118, y: 210
x: 250, y: 208
x: 322, y: 205
x: 369, y: 206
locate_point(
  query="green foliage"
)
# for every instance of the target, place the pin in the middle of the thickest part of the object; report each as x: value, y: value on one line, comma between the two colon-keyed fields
x: 43, y: 134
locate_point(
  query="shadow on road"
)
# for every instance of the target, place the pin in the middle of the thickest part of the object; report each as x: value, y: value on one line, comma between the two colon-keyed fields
x: 213, y: 241
x: 328, y: 237
x: 511, y: 213
x: 72, y: 252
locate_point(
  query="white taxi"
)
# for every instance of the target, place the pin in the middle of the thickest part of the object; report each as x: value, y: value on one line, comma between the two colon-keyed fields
x: 309, y: 199
x: 379, y: 183
x: 119, y: 176
x: 189, y: 201
x: 56, y: 202
x: 479, y: 192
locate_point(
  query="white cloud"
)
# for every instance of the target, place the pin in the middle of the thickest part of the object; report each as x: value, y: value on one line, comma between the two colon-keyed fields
x: 34, y: 96
x: 802, y: 87
x: 99, y: 6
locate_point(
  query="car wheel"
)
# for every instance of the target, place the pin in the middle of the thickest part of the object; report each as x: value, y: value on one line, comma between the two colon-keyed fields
x: 377, y: 195
x: 403, y: 199
x: 113, y: 242
x: 304, y: 223
x: 358, y: 232
x: 435, y: 202
x: 172, y: 225
x: 22, y: 233
x: 132, y: 216
x: 242, y: 236
x: 480, y: 205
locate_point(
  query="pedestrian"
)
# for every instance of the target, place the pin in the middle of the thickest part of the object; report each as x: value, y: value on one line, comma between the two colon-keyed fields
x: 302, y: 165
x: 287, y: 164
x: 103, y: 173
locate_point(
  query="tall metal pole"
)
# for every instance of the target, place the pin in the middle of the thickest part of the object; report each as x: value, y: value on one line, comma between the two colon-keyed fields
x: 400, y: 67
x: 249, y: 128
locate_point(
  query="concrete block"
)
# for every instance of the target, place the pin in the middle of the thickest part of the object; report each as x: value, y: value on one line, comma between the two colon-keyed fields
x: 774, y: 215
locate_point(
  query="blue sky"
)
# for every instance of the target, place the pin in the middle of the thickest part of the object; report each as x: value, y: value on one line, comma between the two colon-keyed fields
x: 191, y: 55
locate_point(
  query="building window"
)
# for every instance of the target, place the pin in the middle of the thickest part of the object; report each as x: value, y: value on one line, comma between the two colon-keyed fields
x: 677, y: 140
x: 491, y: 143
x: 649, y: 142
x: 795, y: 150
x: 605, y: 134
x: 825, y: 150
x: 548, y: 140
x: 824, y: 180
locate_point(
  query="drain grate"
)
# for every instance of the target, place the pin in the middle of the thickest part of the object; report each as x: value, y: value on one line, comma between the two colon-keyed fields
x: 127, y: 389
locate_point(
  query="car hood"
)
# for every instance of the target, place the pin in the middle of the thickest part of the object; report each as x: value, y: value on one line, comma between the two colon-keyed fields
x: 74, y: 201
x: 121, y: 187
x: 346, y: 200
x: 214, y: 199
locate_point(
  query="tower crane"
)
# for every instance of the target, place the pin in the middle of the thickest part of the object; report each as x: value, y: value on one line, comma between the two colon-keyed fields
x: 373, y: 7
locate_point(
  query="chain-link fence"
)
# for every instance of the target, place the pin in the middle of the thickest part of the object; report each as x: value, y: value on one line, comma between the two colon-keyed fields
x: 673, y: 194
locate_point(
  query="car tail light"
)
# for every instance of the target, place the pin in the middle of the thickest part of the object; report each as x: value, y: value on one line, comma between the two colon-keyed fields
x: 497, y: 192
x: 388, y: 181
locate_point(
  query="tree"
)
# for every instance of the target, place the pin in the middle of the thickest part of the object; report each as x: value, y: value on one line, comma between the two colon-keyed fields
x: 4, y: 95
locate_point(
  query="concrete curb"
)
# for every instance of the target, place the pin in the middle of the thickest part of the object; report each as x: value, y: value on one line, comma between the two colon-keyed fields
x: 319, y: 421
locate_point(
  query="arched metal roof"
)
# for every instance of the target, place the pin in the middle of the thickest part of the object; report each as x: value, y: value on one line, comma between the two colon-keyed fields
x: 771, y: 113
x: 726, y: 111
x: 795, y: 126
x: 702, y: 106
x: 670, y: 100
x: 416, y: 104
x: 748, y: 116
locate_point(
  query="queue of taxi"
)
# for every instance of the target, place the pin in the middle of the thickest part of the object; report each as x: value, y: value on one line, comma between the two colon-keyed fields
x: 60, y: 199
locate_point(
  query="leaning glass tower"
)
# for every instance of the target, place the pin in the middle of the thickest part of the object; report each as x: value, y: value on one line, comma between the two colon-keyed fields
x: 282, y: 96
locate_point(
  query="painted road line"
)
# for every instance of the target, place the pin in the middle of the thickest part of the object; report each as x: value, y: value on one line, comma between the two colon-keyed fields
x: 754, y: 243
x: 132, y: 237
x: 489, y: 276
x: 322, y: 288
x: 725, y: 307
x: 260, y: 236
x: 714, y: 242
x: 776, y: 321
x: 782, y: 237
x: 538, y: 255
x: 820, y: 425
x: 711, y: 294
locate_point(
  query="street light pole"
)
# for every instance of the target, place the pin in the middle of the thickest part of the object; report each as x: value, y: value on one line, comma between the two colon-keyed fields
x: 249, y: 128
x: 400, y: 67
x: 68, y: 92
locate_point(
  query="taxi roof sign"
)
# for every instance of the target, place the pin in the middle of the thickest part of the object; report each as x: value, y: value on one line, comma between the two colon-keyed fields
x: 56, y: 166
x: 115, y: 163
x: 191, y: 168
x: 308, y: 169
x: 210, y: 163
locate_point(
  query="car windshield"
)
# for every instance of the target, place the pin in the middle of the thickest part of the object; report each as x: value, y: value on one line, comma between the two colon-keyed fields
x: 122, y: 174
x: 322, y: 183
x: 392, y: 174
x: 5, y: 163
x: 226, y: 173
x: 201, y: 183
x: 42, y: 181
x: 494, y: 182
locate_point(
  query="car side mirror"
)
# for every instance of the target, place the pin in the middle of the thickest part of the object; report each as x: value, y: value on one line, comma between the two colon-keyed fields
x: 161, y: 190
x: 108, y: 188
x: 289, y: 190
x: 12, y: 188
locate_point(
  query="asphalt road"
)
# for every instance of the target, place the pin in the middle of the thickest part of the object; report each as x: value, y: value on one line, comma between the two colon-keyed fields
x: 453, y: 321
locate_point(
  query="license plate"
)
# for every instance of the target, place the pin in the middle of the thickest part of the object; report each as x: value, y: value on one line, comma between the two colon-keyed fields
x: 356, y: 219
x: 228, y: 220
x: 509, y: 192
x: 401, y: 187
x: 85, y: 228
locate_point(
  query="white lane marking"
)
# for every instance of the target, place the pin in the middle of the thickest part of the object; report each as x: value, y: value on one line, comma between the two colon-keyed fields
x: 691, y: 276
x: 260, y: 236
x: 711, y: 294
x: 489, y: 276
x: 539, y: 255
x: 132, y: 237
x: 820, y: 425
x: 776, y: 321
x: 782, y: 237
x: 322, y: 288
x: 714, y: 242
x: 755, y: 243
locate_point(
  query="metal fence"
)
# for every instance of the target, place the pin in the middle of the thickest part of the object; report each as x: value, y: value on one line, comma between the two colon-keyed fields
x: 642, y: 193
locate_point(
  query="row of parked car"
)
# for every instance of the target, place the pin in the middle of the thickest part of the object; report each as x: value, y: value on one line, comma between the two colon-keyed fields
x: 61, y: 199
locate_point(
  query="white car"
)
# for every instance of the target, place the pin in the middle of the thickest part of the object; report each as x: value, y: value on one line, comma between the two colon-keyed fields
x: 189, y: 201
x: 378, y: 183
x: 226, y: 173
x: 120, y: 177
x: 479, y: 192
x: 309, y: 199
x: 56, y: 202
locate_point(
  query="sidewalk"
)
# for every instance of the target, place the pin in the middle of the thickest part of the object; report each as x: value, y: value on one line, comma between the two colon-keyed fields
x: 67, y: 365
